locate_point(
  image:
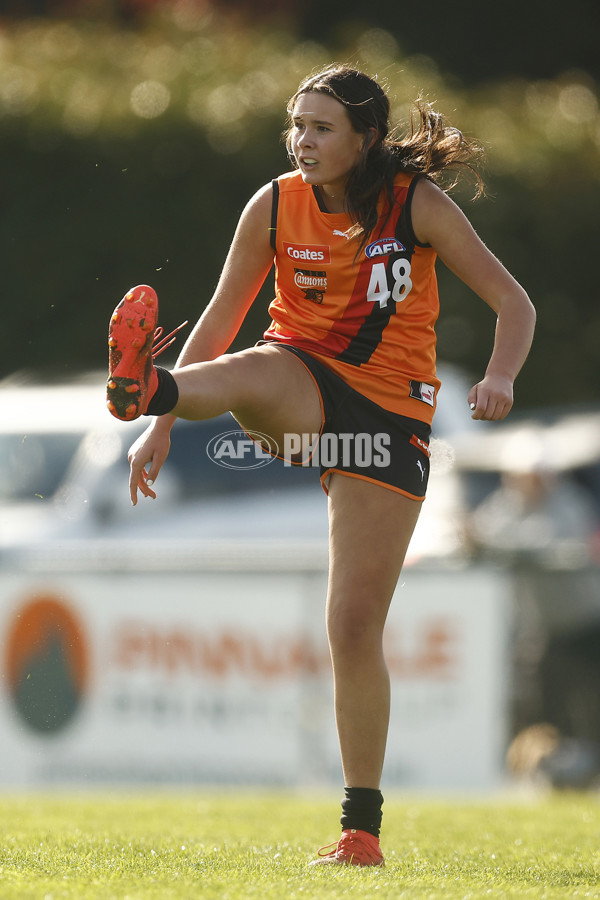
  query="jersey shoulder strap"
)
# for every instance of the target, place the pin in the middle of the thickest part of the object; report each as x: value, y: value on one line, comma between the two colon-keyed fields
x: 274, y: 211
x: 405, y: 222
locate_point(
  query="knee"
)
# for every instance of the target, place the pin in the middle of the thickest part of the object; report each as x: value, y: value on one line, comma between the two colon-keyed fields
x: 254, y: 374
x: 354, y: 628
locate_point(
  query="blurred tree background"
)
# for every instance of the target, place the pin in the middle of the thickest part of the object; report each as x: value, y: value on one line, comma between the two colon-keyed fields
x: 133, y: 133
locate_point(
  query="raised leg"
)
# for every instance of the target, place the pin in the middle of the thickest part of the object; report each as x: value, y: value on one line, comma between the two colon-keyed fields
x: 266, y: 388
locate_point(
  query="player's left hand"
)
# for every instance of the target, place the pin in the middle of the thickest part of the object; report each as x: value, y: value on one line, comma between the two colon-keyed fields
x: 492, y: 398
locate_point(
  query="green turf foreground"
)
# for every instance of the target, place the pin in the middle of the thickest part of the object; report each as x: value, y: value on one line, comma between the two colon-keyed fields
x: 258, y: 845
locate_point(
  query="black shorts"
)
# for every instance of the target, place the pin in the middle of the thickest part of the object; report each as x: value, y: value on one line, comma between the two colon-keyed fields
x: 361, y: 439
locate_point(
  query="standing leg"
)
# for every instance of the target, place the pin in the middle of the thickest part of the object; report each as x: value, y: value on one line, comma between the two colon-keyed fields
x: 370, y: 529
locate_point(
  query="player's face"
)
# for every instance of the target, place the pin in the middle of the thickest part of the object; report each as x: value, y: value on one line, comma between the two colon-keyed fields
x: 324, y: 144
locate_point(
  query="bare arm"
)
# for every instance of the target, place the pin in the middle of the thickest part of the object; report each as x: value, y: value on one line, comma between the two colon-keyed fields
x: 438, y: 221
x: 248, y: 262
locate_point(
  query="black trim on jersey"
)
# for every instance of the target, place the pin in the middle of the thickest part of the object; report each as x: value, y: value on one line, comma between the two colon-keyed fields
x: 319, y: 198
x: 274, y: 211
x: 406, y: 214
x: 369, y: 335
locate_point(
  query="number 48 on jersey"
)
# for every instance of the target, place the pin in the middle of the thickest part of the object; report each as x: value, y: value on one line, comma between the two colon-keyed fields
x: 380, y: 289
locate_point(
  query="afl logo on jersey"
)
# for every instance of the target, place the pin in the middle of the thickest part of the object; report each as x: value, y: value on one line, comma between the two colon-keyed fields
x: 383, y: 247
x: 309, y: 252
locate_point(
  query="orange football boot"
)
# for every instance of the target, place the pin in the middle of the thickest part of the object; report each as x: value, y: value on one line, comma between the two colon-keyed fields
x: 354, y: 848
x: 134, y: 340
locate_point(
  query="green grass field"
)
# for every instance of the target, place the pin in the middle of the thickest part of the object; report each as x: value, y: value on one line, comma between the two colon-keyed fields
x: 257, y: 845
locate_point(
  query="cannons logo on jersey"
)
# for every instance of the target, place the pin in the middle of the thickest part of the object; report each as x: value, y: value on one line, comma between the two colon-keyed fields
x: 312, y: 284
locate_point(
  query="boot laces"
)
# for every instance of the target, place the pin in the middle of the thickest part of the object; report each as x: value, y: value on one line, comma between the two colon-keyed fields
x: 328, y: 849
x: 160, y: 343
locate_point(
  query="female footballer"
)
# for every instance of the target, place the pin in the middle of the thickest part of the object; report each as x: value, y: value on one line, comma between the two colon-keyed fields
x: 354, y: 231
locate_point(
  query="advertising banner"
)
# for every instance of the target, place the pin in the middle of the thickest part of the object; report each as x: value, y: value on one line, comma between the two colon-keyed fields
x: 223, y: 676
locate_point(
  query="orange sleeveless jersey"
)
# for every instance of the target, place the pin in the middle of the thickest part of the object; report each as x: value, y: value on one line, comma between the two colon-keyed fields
x: 370, y: 319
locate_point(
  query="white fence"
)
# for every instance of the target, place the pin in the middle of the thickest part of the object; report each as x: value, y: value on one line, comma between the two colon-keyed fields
x: 213, y: 667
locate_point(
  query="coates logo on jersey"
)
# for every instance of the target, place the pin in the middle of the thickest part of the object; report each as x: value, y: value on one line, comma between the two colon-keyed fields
x: 309, y: 252
x: 383, y: 247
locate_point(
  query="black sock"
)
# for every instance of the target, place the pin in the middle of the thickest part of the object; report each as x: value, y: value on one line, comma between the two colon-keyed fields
x: 166, y: 395
x: 361, y: 809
